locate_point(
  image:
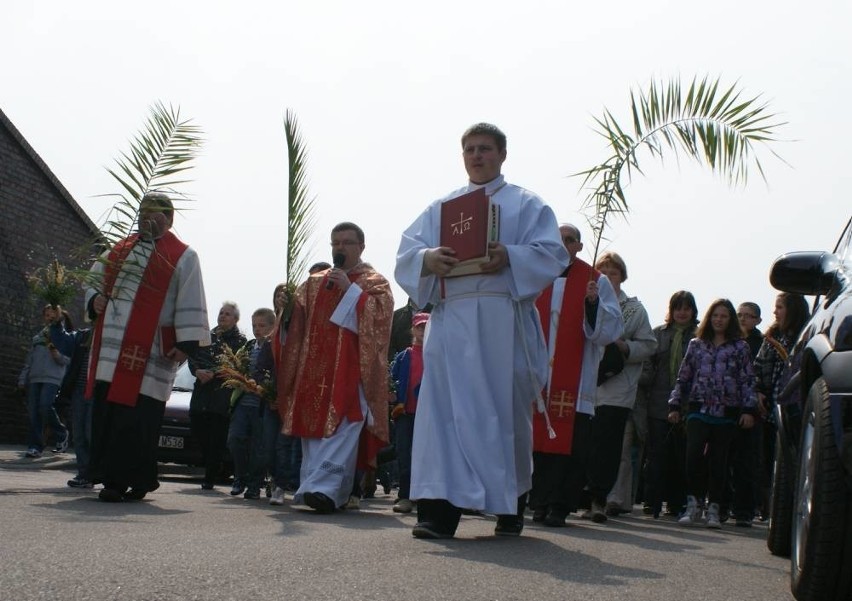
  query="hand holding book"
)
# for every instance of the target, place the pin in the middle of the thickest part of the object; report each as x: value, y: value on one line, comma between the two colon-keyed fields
x: 439, y: 260
x: 498, y: 258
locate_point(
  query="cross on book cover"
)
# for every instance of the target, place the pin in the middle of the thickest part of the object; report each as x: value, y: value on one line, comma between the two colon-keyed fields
x: 468, y: 223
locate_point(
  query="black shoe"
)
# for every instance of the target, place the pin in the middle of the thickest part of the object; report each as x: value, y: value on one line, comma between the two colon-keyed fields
x: 555, y: 518
x: 251, y: 494
x: 539, y: 515
x: 207, y: 485
x: 135, y: 494
x: 78, y: 482
x: 430, y: 530
x: 110, y: 495
x: 237, y: 489
x: 509, y: 525
x: 319, y: 502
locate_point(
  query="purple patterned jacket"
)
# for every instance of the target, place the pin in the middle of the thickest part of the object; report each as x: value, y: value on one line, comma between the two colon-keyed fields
x: 717, y: 381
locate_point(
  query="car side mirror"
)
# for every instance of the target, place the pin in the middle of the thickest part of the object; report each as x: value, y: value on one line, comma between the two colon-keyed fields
x: 808, y: 273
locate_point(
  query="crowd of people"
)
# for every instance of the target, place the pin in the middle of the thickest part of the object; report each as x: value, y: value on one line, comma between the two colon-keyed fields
x: 536, y: 381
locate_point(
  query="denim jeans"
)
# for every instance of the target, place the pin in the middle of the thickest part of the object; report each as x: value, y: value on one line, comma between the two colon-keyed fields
x: 40, y: 399
x: 81, y: 426
x: 283, y: 453
x: 245, y: 441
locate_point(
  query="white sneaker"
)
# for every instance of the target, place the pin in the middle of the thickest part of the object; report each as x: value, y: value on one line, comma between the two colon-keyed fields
x: 691, y: 514
x: 353, y: 503
x: 277, y: 497
x: 713, y: 516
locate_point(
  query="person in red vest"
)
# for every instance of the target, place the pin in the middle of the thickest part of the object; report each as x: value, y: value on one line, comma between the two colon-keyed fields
x: 580, y: 315
x: 151, y: 314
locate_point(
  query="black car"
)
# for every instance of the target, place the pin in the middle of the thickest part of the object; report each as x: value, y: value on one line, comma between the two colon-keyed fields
x: 177, y: 444
x: 811, y: 510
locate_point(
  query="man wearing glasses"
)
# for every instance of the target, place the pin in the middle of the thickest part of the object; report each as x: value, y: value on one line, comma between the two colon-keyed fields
x: 333, y: 374
x: 749, y: 315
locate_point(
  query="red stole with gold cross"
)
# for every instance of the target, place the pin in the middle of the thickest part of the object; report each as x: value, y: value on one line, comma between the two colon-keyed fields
x: 327, y: 389
x: 561, y: 401
x: 144, y: 315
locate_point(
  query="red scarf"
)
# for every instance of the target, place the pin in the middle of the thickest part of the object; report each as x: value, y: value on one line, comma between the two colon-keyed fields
x: 415, y: 375
x: 568, y: 360
x: 144, y: 316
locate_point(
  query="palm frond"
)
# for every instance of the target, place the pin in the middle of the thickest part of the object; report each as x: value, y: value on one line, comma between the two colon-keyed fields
x: 158, y: 157
x: 164, y: 148
x: 714, y: 126
x: 301, y: 214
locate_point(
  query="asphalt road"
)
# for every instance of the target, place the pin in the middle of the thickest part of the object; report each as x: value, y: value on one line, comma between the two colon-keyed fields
x: 182, y: 543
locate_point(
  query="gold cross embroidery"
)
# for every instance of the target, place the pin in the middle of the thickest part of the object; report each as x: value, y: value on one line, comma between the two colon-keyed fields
x: 134, y: 358
x: 561, y: 402
x: 322, y: 387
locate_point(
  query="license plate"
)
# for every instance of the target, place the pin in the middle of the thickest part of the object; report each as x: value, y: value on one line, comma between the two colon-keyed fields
x: 171, y: 442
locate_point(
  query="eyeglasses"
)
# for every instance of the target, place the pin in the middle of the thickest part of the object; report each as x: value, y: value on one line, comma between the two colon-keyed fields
x: 344, y: 243
x: 744, y: 315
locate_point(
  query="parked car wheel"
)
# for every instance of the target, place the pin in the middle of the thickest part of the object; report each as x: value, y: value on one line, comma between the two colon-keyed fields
x: 781, y: 502
x: 820, y: 514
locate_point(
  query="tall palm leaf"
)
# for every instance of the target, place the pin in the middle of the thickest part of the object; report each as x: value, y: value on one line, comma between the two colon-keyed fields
x: 301, y: 214
x: 159, y: 156
x: 714, y: 126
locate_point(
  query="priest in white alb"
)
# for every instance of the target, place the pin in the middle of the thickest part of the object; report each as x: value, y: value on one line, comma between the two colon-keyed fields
x: 151, y: 314
x: 484, y: 358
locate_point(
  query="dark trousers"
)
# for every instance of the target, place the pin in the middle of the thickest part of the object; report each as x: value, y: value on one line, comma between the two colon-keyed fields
x: 445, y: 516
x: 707, y: 447
x: 211, y: 432
x: 124, y: 442
x: 607, y: 436
x: 742, y: 489
x: 404, y: 437
x: 245, y: 441
x: 665, y: 465
x: 557, y: 480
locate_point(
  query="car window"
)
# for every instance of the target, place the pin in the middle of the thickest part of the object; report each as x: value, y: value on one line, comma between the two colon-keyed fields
x: 184, y: 377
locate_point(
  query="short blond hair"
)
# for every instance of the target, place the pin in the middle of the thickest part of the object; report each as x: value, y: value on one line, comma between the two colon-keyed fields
x: 613, y: 258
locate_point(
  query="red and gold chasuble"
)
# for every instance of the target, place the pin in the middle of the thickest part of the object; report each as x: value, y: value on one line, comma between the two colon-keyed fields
x: 144, y: 317
x: 321, y: 364
x: 561, y: 402
x: 327, y: 389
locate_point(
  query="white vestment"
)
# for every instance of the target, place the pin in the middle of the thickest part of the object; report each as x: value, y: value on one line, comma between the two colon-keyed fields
x: 608, y: 327
x: 484, y: 358
x: 184, y: 308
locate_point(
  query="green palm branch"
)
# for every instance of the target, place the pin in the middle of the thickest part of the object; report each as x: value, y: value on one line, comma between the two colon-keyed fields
x: 157, y: 161
x: 714, y: 126
x: 301, y: 213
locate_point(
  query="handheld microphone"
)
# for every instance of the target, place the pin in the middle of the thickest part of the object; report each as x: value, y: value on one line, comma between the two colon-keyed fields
x: 338, y: 259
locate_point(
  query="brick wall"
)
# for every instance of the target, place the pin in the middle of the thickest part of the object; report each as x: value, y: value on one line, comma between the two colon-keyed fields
x: 38, y: 221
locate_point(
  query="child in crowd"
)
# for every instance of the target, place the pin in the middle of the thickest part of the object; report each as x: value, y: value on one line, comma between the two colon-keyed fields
x: 245, y: 433
x: 715, y: 383
x: 41, y: 377
x: 406, y: 373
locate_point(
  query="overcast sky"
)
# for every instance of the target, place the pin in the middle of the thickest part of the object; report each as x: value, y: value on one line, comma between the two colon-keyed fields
x: 383, y: 90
